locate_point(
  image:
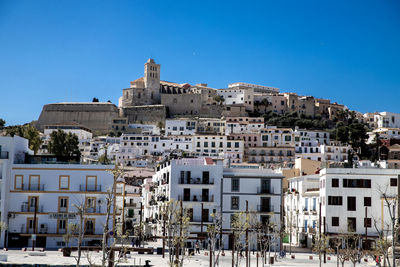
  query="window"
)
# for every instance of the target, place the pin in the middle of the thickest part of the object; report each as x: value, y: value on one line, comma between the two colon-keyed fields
x: 34, y: 182
x: 235, y: 203
x: 265, y: 137
x: 351, y: 224
x: 367, y: 201
x: 351, y: 203
x: 91, y: 183
x: 89, y: 226
x: 64, y: 182
x: 335, y: 182
x: 62, y: 225
x: 62, y: 204
x: 393, y: 181
x: 18, y: 182
x: 335, y: 221
x: 367, y: 222
x: 228, y: 144
x: 288, y: 138
x: 335, y: 200
x: 357, y: 183
x: 90, y: 204
x: 235, y: 184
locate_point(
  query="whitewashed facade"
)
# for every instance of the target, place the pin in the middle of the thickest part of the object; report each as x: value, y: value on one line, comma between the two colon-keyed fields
x: 51, y: 191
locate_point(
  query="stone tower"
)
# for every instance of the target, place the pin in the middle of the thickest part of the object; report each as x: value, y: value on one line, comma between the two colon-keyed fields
x: 152, y: 81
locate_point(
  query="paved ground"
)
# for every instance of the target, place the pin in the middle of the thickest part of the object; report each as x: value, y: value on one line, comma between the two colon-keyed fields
x: 56, y: 258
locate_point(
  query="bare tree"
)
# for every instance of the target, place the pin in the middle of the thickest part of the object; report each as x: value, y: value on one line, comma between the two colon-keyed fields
x: 214, y: 235
x: 240, y: 222
x: 177, y: 227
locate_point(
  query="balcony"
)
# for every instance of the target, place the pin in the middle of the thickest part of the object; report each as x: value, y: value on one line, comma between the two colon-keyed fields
x: 89, y: 188
x: 90, y: 210
x: 3, y: 155
x: 265, y: 208
x: 130, y: 205
x: 27, y: 208
x: 197, y: 181
x: 197, y: 198
x: 265, y: 190
x: 32, y: 187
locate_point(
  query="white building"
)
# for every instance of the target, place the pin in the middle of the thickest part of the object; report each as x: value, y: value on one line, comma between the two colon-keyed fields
x: 136, y: 147
x: 237, y: 125
x: 238, y: 95
x: 257, y: 88
x: 129, y: 202
x: 302, y: 209
x: 352, y: 201
x: 383, y: 133
x: 44, y: 198
x: 335, y: 152
x: 180, y: 127
x: 12, y: 151
x: 387, y: 120
x: 205, y: 187
x: 260, y: 188
x: 218, y: 146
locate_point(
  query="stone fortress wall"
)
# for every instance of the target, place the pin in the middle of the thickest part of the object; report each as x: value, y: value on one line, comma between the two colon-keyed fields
x: 96, y: 116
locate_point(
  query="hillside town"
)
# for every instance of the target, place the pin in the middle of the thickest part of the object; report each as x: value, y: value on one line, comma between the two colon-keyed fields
x: 244, y: 169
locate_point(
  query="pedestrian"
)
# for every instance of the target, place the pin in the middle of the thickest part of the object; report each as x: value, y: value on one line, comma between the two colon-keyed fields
x: 197, y: 246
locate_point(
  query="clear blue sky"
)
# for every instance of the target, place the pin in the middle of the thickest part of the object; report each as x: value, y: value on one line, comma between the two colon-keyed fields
x: 54, y: 51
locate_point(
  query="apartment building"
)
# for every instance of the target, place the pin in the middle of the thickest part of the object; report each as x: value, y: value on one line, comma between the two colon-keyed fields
x: 387, y: 120
x: 180, y: 127
x: 12, y: 151
x: 194, y: 181
x: 218, y: 146
x: 44, y: 199
x: 277, y: 148
x: 335, y: 152
x: 301, y: 204
x: 236, y: 125
x: 352, y: 199
x: 206, y: 188
x: 238, y: 94
x: 135, y: 147
x: 260, y: 189
x: 129, y: 201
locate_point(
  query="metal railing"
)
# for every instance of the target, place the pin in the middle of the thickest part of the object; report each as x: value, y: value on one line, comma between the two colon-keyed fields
x: 265, y: 190
x: 197, y: 198
x: 32, y: 187
x: 27, y: 208
x: 89, y: 188
x: 265, y: 208
x: 196, y: 181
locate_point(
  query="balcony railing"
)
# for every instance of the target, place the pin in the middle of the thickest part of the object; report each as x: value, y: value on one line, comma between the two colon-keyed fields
x: 265, y: 208
x: 27, y: 208
x: 89, y: 188
x: 196, y: 181
x: 133, y: 205
x: 265, y: 190
x: 197, y: 198
x: 198, y: 220
x: 33, y: 187
x: 3, y: 155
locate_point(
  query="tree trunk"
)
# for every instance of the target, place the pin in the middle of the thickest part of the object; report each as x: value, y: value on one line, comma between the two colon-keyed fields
x: 80, y: 235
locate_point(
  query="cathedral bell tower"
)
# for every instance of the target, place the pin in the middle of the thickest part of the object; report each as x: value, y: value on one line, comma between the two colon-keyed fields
x: 152, y: 81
